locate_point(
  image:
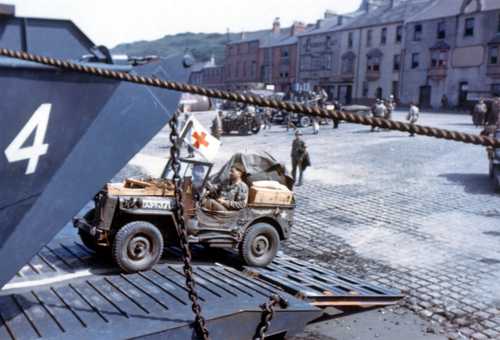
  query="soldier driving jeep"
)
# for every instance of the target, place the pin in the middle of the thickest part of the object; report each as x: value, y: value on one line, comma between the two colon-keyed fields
x: 229, y: 195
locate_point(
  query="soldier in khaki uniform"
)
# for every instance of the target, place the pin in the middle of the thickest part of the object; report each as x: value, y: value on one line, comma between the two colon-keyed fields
x: 480, y: 110
x: 229, y: 195
x: 300, y: 157
x: 493, y: 118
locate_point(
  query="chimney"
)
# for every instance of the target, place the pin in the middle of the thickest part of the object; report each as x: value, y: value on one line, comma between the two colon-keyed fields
x: 330, y: 13
x: 297, y: 28
x: 276, y: 26
x: 243, y: 35
x: 7, y: 10
x: 370, y: 5
x: 319, y: 23
x: 340, y: 20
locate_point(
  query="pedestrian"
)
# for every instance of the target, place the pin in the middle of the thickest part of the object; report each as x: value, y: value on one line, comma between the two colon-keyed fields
x: 268, y: 117
x: 300, y: 158
x: 444, y: 102
x: 479, y: 113
x: 337, y: 107
x: 391, y: 106
x: 493, y: 121
x: 379, y: 111
x: 217, y: 125
x: 413, y: 116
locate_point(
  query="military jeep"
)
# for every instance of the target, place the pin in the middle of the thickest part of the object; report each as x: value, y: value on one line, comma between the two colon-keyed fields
x: 134, y: 220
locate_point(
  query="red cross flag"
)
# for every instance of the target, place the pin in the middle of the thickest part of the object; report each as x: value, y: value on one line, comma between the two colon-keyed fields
x: 196, y: 136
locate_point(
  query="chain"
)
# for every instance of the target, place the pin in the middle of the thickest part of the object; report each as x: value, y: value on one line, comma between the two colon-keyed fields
x: 255, y: 100
x: 201, y: 327
x: 268, y: 314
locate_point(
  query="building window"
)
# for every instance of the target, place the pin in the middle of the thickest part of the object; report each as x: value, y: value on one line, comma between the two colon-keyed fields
x: 369, y: 37
x: 253, y: 70
x: 396, y: 62
x: 469, y: 27
x: 495, y: 88
x: 373, y: 64
x: 498, y: 24
x: 399, y: 34
x: 383, y: 36
x: 348, y: 66
x: 284, y: 52
x: 441, y: 30
x: 493, y: 55
x: 350, y: 40
x: 417, y: 32
x: 439, y: 59
x: 415, y: 60
x: 365, y: 89
x: 327, y: 62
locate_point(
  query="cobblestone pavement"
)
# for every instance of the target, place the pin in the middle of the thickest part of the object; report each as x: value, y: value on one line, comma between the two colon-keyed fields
x: 417, y: 214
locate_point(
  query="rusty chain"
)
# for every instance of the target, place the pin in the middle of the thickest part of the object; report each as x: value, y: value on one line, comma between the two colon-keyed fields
x: 255, y: 100
x: 200, y: 325
x: 268, y: 314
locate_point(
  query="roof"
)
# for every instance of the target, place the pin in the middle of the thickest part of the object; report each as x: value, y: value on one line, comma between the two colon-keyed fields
x: 390, y: 14
x: 446, y: 8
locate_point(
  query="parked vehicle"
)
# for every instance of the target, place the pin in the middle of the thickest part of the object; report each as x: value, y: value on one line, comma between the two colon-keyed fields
x: 135, y: 219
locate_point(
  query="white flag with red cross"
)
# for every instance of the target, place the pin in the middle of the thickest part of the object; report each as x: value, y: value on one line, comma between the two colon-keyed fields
x: 196, y: 136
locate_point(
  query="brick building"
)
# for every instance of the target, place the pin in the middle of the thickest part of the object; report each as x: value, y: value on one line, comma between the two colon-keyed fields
x: 208, y: 74
x: 417, y: 50
x: 452, y: 49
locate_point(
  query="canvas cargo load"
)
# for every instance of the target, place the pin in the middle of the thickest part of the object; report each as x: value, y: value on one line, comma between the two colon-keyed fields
x: 269, y: 192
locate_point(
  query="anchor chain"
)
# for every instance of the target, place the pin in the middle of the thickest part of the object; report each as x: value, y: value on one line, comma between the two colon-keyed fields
x: 268, y: 314
x: 255, y: 100
x: 182, y: 233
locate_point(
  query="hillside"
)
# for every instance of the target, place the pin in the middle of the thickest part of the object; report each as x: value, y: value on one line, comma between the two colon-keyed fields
x: 201, y: 45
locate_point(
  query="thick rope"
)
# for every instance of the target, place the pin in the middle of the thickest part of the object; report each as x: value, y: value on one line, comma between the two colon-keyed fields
x: 255, y: 100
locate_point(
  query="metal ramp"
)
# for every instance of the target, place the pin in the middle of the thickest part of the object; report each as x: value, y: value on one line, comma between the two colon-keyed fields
x: 67, y: 293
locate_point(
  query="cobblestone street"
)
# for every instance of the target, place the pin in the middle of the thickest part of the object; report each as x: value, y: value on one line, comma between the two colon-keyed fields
x: 418, y: 214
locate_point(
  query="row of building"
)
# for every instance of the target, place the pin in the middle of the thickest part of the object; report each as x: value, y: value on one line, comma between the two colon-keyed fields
x: 425, y: 51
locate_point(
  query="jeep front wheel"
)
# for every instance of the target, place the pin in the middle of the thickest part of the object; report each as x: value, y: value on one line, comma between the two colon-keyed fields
x: 260, y: 245
x: 137, y: 246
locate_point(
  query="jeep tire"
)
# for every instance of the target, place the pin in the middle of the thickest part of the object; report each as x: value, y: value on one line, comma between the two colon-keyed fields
x: 137, y: 246
x: 260, y: 245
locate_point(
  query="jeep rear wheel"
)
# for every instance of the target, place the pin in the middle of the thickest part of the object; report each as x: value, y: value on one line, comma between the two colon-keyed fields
x: 87, y: 239
x: 137, y: 246
x: 305, y: 121
x: 260, y: 245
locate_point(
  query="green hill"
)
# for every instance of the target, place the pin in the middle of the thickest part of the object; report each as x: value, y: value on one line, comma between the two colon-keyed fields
x: 201, y: 45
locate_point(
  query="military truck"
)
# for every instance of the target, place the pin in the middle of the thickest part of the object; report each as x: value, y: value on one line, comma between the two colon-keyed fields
x: 243, y: 121
x: 134, y: 220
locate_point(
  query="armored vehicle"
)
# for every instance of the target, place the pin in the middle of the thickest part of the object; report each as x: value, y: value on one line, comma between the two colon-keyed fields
x: 135, y: 219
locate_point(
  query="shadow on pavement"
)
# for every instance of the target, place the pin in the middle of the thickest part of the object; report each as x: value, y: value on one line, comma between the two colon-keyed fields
x: 472, y: 183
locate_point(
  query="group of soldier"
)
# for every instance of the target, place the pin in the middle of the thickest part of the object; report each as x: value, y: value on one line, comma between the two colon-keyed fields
x: 488, y: 118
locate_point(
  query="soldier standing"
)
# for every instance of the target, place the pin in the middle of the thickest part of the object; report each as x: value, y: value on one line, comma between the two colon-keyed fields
x: 379, y: 111
x: 391, y: 106
x: 480, y: 110
x: 217, y: 125
x: 413, y: 116
x: 300, y: 157
x: 493, y: 118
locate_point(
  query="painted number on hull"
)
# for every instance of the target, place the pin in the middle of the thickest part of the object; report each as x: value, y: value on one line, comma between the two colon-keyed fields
x: 38, y: 123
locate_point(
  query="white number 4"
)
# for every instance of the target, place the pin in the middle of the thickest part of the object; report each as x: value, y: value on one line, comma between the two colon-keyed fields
x: 15, y: 152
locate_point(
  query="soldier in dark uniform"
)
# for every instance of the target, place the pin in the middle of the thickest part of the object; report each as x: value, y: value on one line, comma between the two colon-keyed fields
x: 493, y: 118
x: 217, y: 125
x: 229, y: 195
x: 300, y: 157
x: 479, y: 112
